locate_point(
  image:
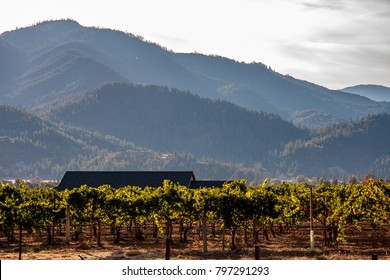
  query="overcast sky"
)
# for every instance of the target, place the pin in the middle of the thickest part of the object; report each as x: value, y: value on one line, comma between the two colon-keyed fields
x: 334, y: 43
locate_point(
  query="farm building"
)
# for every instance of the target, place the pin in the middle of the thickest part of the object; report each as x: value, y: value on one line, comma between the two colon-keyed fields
x: 142, y: 179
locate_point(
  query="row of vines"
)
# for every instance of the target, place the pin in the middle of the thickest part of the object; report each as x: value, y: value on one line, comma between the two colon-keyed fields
x: 233, y: 207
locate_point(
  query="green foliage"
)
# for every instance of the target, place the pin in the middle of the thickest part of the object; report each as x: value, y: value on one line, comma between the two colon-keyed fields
x: 10, y: 201
x: 234, y: 206
x: 262, y: 204
x: 46, y: 206
x: 357, y: 203
x: 172, y: 202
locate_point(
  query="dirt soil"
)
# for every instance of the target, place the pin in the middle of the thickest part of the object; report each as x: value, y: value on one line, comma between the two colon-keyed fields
x: 286, y: 245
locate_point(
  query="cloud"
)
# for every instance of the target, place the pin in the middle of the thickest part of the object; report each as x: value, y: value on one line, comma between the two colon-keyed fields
x: 334, y: 43
x: 324, y: 4
x: 365, y: 27
x: 342, y: 5
x: 338, y: 65
x: 168, y: 40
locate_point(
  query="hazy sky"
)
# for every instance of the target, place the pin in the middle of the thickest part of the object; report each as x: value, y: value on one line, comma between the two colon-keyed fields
x: 334, y: 43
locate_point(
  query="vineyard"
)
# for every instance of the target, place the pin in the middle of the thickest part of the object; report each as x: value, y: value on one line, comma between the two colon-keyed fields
x: 208, y: 222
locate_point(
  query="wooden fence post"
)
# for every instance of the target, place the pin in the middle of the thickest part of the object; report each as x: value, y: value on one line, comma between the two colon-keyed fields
x: 257, y: 252
x: 20, y: 242
x: 204, y: 231
x: 67, y: 225
x: 311, y: 221
x: 167, y: 248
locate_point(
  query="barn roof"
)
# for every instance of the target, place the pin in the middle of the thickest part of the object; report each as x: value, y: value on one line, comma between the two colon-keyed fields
x: 117, y: 179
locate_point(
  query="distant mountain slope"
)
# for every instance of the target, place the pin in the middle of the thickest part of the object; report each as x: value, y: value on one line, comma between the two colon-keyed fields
x: 287, y: 94
x: 57, y: 74
x: 12, y: 64
x: 32, y: 147
x: 170, y: 120
x: 134, y: 59
x: 267, y: 83
x: 30, y: 144
x: 374, y: 92
x: 108, y: 55
x: 344, y: 149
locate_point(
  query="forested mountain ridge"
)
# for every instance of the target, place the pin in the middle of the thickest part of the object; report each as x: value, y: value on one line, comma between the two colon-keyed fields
x: 103, y: 55
x: 290, y: 94
x: 169, y: 120
x: 30, y: 144
x: 354, y: 147
x: 32, y: 147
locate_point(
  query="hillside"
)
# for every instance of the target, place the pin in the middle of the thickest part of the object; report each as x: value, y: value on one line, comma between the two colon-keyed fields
x: 13, y: 64
x: 374, y: 92
x: 342, y: 150
x: 135, y: 60
x: 52, y: 50
x: 288, y: 95
x: 56, y: 74
x: 168, y: 120
x: 32, y: 147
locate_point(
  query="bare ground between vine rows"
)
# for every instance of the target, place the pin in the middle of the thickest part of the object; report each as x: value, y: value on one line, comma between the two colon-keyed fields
x: 288, y: 245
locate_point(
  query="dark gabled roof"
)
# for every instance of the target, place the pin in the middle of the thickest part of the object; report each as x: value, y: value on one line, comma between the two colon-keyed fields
x: 117, y: 179
x: 207, y: 184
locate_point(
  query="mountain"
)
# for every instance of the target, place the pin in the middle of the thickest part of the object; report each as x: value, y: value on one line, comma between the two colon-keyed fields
x: 13, y: 63
x: 342, y: 150
x: 56, y: 74
x: 169, y: 120
x: 374, y: 92
x: 33, y: 147
x: 128, y: 55
x: 85, y: 57
x: 286, y: 93
x: 100, y: 99
x: 30, y: 144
